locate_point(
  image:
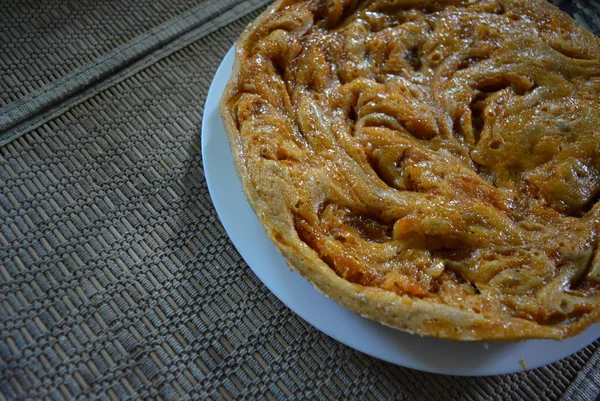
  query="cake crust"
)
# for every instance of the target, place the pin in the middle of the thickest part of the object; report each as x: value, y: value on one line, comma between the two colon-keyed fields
x: 431, y: 165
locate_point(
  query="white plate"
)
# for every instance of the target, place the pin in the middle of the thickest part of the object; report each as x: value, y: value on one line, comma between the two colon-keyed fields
x: 422, y: 353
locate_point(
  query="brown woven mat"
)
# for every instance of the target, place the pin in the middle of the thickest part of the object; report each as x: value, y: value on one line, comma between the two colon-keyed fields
x: 43, y: 40
x: 117, y: 280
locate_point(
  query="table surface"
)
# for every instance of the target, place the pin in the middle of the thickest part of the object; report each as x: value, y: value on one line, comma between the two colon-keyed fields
x: 117, y: 280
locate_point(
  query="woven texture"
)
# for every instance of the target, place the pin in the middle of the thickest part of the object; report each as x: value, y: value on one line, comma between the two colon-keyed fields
x: 55, y: 98
x: 42, y: 40
x: 117, y: 280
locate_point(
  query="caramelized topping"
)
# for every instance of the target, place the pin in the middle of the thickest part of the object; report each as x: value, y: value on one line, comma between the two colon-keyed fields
x: 447, y: 150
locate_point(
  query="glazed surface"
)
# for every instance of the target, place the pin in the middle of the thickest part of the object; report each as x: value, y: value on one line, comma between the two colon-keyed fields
x: 428, y: 155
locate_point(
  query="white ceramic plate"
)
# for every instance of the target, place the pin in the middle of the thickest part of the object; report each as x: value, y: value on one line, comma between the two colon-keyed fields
x: 427, y: 354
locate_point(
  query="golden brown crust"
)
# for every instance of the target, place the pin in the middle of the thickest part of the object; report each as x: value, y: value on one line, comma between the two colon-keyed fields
x: 432, y: 165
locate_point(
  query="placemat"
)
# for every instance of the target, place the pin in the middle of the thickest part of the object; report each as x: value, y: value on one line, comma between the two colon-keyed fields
x: 43, y: 40
x: 117, y: 280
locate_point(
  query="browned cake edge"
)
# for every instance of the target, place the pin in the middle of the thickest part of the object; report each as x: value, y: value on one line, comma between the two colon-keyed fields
x: 413, y: 315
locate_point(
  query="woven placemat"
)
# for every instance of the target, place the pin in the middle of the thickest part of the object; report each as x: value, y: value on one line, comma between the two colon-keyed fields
x: 117, y: 280
x: 43, y: 40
